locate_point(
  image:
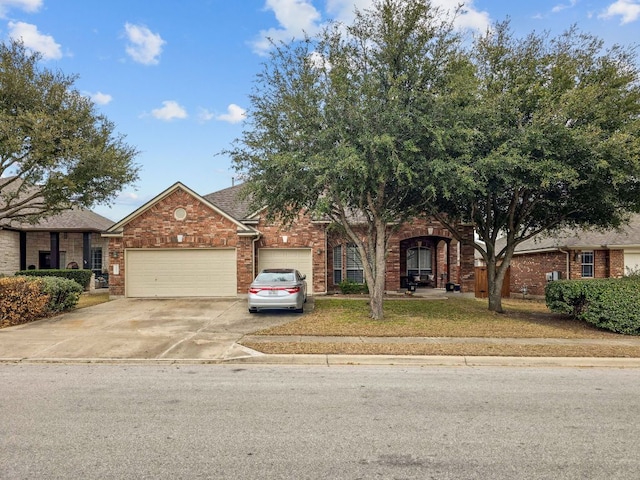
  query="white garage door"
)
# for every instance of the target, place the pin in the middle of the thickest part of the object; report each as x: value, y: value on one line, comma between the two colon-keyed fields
x: 631, y: 261
x: 298, y: 258
x: 181, y: 273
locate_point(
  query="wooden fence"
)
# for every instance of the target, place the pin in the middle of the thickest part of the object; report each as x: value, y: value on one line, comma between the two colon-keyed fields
x: 482, y: 283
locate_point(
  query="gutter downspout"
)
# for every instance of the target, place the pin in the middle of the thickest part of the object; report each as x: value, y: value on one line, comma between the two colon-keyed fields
x: 568, y: 272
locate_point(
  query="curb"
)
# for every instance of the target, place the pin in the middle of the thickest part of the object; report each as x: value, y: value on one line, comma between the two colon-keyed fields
x: 352, y: 360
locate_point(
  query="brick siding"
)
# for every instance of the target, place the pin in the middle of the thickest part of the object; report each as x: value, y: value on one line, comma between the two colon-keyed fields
x: 156, y: 227
x: 531, y: 269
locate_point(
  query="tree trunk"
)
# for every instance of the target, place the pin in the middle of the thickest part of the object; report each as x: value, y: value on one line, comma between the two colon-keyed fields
x: 495, y: 279
x: 377, y: 273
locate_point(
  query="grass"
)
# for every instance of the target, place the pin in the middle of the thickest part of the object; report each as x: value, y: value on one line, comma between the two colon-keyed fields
x: 461, y: 320
x: 91, y: 299
x: 460, y: 317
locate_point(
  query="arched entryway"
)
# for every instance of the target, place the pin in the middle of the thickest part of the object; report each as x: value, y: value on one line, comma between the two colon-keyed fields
x: 425, y: 261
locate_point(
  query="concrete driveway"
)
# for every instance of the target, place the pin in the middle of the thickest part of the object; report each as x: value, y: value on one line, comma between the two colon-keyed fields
x: 140, y: 329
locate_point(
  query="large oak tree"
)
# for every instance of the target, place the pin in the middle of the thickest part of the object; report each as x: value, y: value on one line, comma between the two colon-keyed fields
x: 547, y: 136
x: 56, y: 152
x: 339, y: 124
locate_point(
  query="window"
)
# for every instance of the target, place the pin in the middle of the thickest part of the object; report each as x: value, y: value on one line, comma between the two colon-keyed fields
x: 418, y: 261
x: 96, y: 259
x: 587, y: 264
x: 355, y: 272
x: 337, y: 264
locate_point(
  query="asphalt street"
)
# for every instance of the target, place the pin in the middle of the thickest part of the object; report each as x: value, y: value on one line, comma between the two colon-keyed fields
x: 292, y: 422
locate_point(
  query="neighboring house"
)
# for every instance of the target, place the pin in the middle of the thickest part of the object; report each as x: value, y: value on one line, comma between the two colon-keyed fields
x: 574, y: 254
x: 181, y: 244
x: 67, y: 239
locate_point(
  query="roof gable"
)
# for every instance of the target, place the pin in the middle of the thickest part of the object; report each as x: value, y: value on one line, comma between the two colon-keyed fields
x: 118, y: 227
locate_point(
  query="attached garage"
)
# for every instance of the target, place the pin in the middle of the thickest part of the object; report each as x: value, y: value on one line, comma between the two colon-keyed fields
x: 181, y: 272
x: 298, y: 258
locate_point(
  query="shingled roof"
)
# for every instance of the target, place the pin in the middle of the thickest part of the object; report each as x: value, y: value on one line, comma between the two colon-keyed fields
x: 627, y: 235
x: 230, y: 202
x: 74, y: 220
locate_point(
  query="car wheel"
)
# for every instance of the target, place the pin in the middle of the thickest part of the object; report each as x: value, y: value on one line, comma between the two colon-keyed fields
x: 299, y: 310
x: 253, y: 310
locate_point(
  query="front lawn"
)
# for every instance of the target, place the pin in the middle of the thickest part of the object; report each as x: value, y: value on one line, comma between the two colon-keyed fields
x: 453, y: 317
x: 465, y: 322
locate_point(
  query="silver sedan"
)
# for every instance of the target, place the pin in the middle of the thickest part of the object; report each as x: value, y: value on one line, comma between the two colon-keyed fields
x: 278, y: 288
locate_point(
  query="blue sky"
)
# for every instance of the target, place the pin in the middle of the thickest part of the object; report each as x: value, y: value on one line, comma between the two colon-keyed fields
x: 175, y: 75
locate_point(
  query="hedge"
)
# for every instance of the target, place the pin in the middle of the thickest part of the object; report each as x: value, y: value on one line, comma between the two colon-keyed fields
x: 28, y: 298
x: 63, y: 293
x: 81, y: 277
x: 612, y: 304
x: 21, y: 300
x: 348, y: 287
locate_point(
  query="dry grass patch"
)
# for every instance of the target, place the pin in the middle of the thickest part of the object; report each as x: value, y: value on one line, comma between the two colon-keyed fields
x: 455, y: 349
x: 91, y: 299
x: 452, y: 317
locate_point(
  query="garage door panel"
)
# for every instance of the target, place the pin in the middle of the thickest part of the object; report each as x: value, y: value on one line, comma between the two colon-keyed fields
x: 181, y: 273
x: 631, y: 261
x: 298, y: 258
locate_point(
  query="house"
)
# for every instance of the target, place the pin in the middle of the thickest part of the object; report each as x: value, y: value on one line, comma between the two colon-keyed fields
x: 68, y: 239
x: 182, y: 244
x: 574, y: 254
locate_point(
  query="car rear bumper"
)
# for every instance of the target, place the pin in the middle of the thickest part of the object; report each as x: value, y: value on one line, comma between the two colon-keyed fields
x: 276, y: 303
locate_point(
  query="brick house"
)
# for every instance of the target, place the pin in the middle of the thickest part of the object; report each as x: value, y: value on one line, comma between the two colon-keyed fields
x: 68, y: 239
x: 575, y: 254
x: 181, y: 244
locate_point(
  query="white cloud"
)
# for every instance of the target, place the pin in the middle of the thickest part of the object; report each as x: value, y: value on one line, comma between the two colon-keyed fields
x: 144, y: 46
x: 629, y: 10
x: 344, y: 10
x: 296, y: 17
x: 26, y: 5
x: 235, y: 114
x: 170, y: 111
x: 100, y: 98
x: 205, y: 115
x: 564, y: 6
x: 34, y: 40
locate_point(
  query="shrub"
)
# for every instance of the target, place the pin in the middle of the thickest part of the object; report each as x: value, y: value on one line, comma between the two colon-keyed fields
x: 63, y: 293
x: 612, y: 304
x: 81, y: 277
x: 348, y: 287
x: 21, y: 300
x: 566, y: 296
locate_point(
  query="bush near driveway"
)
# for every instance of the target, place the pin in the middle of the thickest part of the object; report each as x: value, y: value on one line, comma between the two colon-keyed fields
x: 81, y: 276
x: 612, y: 304
x: 21, y: 300
x: 24, y: 299
x: 63, y: 293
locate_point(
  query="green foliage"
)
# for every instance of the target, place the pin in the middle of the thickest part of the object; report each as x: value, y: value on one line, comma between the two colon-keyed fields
x: 612, y: 304
x: 63, y: 293
x: 349, y: 287
x: 56, y: 151
x: 21, y: 300
x: 547, y: 137
x: 340, y: 124
x: 81, y: 277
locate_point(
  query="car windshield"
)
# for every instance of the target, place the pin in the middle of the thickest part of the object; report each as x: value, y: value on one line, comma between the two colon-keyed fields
x: 268, y: 277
